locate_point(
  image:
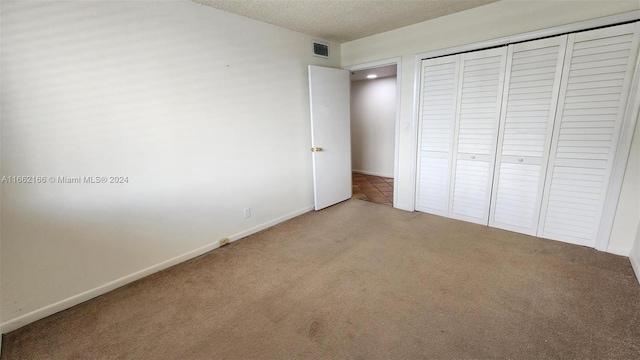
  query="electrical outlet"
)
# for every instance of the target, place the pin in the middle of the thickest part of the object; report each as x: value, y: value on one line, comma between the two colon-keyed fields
x: 224, y: 241
x: 247, y: 212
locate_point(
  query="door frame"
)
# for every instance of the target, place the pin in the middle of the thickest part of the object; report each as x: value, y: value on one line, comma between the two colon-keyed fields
x: 396, y: 154
x: 627, y: 127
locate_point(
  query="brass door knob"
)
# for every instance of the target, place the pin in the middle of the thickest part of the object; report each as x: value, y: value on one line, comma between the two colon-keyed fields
x: 317, y: 149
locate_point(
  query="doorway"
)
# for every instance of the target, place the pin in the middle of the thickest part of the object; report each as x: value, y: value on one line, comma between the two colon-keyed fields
x: 374, y: 118
x: 373, y: 188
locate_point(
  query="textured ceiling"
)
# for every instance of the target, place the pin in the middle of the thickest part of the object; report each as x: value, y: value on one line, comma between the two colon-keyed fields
x: 342, y: 20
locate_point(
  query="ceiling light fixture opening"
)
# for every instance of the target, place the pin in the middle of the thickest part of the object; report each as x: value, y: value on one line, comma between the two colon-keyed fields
x: 372, y: 76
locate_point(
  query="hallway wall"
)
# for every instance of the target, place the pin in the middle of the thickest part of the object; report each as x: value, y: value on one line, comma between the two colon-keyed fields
x: 373, y: 116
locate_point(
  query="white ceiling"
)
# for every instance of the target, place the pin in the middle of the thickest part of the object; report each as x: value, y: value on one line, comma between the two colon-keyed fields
x: 343, y: 20
x: 381, y: 72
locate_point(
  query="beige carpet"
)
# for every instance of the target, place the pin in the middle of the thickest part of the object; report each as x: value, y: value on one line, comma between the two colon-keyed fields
x: 361, y: 281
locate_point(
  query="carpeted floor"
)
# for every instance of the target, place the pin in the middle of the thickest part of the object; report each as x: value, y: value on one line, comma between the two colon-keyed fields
x: 361, y: 281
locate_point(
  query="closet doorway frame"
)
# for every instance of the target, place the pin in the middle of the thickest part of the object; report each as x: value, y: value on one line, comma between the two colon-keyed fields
x: 628, y: 123
x: 397, y: 61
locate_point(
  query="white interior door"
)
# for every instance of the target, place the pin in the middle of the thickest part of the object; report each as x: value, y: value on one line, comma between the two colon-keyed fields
x: 595, y: 85
x: 437, y: 121
x: 525, y: 137
x: 480, y: 87
x: 330, y: 135
x: 530, y: 97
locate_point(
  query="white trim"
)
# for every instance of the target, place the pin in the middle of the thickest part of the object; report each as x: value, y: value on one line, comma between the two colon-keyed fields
x: 396, y: 156
x: 69, y: 302
x: 270, y: 223
x: 619, y: 251
x: 534, y: 35
x: 635, y: 264
x: 396, y: 146
x: 373, y: 64
x: 372, y: 173
x: 415, y: 122
x: 620, y: 159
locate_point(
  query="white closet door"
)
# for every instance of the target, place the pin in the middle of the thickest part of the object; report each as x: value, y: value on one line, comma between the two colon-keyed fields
x: 437, y: 116
x: 529, y: 104
x: 480, y: 87
x: 595, y: 86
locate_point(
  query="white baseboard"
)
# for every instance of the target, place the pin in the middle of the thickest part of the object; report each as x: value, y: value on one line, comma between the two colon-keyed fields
x: 269, y: 224
x: 618, y: 251
x: 372, y: 173
x: 43, y: 312
x: 635, y: 264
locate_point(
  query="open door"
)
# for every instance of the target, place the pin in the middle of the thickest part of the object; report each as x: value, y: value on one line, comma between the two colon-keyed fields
x: 330, y: 135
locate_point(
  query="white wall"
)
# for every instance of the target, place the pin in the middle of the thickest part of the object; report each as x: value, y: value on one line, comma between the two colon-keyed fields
x: 635, y: 254
x: 0, y: 192
x: 373, y: 118
x: 625, y: 225
x: 202, y: 110
x: 492, y: 21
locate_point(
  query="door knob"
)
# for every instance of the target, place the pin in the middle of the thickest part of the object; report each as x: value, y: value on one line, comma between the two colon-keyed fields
x: 317, y: 149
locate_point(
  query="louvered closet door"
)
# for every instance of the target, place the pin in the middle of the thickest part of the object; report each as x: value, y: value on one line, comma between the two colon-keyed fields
x: 437, y: 116
x: 528, y: 111
x: 595, y: 84
x: 478, y: 114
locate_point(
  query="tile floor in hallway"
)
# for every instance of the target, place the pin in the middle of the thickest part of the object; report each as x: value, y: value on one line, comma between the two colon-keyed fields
x: 372, y: 188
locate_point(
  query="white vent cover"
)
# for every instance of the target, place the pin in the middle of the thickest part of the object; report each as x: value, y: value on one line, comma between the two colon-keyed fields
x: 320, y: 49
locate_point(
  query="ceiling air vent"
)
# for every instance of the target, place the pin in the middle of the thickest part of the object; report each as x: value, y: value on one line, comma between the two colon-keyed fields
x: 321, y: 49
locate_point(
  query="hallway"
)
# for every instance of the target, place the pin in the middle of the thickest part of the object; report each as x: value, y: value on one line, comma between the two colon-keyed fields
x: 372, y: 188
